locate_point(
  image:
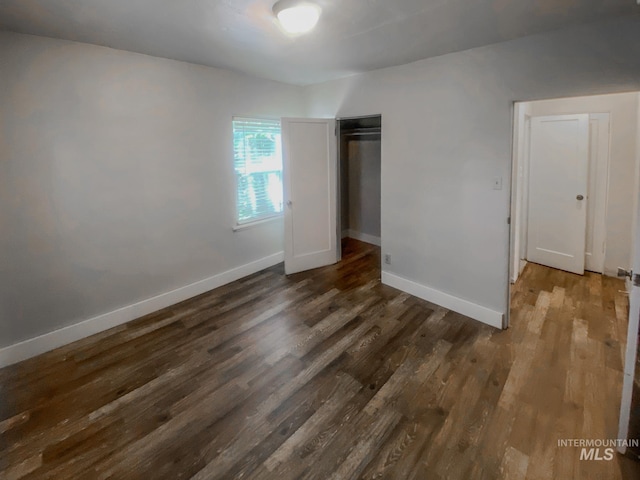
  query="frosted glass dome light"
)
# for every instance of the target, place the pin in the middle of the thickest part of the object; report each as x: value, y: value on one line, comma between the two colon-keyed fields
x: 296, y: 17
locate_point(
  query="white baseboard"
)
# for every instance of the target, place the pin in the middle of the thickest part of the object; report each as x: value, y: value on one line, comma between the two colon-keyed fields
x: 464, y: 307
x: 363, y: 237
x: 49, y: 341
x: 523, y: 263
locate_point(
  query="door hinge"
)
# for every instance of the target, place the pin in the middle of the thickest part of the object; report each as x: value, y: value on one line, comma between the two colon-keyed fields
x: 508, y: 220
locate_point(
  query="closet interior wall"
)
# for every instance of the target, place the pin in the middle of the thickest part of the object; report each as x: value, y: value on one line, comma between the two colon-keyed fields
x: 360, y: 178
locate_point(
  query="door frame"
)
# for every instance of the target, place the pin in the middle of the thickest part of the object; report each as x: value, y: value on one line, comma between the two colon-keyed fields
x: 520, y: 188
x: 339, y: 184
x: 575, y: 262
x: 520, y: 130
x: 602, y: 168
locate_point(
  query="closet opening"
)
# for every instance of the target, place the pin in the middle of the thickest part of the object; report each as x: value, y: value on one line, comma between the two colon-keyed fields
x: 359, y: 180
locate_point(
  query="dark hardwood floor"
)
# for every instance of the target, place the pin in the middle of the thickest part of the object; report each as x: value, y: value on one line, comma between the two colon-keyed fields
x: 328, y: 375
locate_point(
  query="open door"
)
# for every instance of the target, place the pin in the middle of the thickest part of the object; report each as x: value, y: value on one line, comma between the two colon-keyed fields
x: 310, y: 193
x: 558, y: 171
x: 629, y: 426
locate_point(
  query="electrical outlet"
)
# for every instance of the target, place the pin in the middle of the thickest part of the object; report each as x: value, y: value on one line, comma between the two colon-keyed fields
x: 387, y: 259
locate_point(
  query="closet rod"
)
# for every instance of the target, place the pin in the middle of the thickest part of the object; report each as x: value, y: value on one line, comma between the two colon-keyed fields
x: 361, y: 133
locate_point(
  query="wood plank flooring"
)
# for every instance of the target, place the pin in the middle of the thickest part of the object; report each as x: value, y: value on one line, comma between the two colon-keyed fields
x: 328, y: 375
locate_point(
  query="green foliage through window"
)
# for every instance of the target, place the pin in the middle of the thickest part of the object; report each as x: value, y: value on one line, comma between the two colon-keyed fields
x: 258, y: 165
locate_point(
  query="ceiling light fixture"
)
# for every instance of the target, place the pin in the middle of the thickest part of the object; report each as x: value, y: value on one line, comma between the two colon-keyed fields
x: 296, y: 16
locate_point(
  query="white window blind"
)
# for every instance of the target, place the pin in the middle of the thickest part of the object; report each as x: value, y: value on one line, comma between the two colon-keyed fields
x: 257, y: 151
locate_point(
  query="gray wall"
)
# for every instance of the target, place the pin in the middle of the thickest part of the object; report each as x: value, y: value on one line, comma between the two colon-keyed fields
x: 116, y: 178
x: 364, y: 185
x: 447, y: 129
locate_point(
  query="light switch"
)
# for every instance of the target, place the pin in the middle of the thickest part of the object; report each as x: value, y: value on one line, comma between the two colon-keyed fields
x: 497, y: 183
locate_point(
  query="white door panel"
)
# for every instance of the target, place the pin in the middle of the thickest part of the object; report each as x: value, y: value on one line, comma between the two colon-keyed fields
x: 310, y: 182
x: 557, y: 179
x: 631, y: 376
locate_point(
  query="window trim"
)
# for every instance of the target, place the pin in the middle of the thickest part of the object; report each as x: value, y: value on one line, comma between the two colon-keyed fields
x: 239, y: 226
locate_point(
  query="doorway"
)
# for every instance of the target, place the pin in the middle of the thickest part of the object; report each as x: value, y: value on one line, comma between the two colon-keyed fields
x: 584, y: 309
x: 330, y: 199
x: 574, y: 169
x: 360, y: 155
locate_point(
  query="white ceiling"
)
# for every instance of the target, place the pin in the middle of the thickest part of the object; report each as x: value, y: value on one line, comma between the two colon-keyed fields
x: 352, y: 35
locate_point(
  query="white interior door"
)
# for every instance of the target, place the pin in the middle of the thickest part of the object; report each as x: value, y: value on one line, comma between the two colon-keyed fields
x: 310, y: 193
x: 631, y: 376
x: 558, y: 167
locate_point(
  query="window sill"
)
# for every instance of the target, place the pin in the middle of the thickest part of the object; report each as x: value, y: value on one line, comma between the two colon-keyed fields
x: 245, y: 226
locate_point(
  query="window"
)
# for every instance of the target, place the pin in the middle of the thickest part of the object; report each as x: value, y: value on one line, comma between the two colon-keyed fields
x: 257, y: 154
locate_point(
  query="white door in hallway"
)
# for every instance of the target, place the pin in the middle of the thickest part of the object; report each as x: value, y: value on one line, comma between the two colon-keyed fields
x: 310, y: 193
x: 558, y: 173
x: 631, y: 378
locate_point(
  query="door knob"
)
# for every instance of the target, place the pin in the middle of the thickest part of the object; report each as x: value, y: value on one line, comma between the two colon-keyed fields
x: 622, y: 273
x: 634, y: 277
x: 289, y: 203
x: 579, y: 197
